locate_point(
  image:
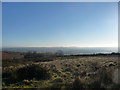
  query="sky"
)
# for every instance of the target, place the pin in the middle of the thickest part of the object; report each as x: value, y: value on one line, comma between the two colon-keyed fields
x: 65, y: 24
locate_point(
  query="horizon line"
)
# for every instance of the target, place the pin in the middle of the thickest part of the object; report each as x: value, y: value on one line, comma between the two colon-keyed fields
x: 59, y: 46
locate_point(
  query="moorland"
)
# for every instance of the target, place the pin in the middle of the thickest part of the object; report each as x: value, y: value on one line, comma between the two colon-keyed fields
x: 56, y: 70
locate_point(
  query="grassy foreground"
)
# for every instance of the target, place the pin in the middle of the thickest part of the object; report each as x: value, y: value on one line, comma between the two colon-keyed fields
x: 64, y: 73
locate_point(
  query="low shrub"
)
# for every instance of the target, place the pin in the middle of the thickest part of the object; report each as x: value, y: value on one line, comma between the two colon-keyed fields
x: 33, y: 71
x: 105, y: 76
x: 78, y: 83
x: 27, y: 72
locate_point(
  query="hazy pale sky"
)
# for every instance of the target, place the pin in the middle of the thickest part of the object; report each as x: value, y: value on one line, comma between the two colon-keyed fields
x: 83, y: 24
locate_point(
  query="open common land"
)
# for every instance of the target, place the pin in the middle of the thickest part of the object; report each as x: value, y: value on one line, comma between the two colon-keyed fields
x: 62, y: 72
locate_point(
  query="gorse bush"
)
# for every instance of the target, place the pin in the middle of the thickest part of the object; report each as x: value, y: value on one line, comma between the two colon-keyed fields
x: 9, y: 76
x: 28, y: 72
x: 33, y: 71
x: 6, y: 73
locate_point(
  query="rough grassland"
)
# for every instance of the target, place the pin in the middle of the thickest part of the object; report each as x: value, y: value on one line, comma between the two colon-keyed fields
x: 75, y: 72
